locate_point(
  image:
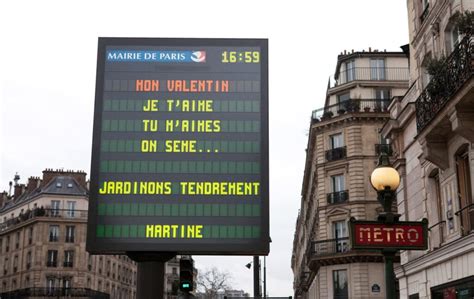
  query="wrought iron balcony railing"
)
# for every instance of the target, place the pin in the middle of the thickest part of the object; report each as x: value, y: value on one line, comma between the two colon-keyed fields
x: 42, y: 212
x: 383, y: 148
x: 329, y: 247
x: 68, y: 264
x: 51, y: 264
x: 336, y: 153
x: 373, y: 74
x: 338, y: 197
x: 442, y: 86
x: 349, y: 106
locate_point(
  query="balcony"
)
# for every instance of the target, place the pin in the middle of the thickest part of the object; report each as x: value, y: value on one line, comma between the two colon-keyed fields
x: 338, y: 251
x: 373, y: 74
x: 383, y: 148
x: 443, y: 86
x: 55, y: 292
x: 42, y: 212
x: 336, y: 153
x: 350, y: 106
x: 338, y: 197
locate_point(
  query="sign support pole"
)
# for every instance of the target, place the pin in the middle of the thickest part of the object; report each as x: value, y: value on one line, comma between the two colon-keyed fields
x: 389, y: 256
x: 256, y: 277
x: 150, y: 273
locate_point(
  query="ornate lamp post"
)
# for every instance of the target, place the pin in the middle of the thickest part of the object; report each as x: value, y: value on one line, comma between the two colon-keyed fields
x: 385, y: 180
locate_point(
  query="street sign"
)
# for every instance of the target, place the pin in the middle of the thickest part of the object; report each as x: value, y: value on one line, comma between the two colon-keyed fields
x: 180, y: 147
x: 401, y: 235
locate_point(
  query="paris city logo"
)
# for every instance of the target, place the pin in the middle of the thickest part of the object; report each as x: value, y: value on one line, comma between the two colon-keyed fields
x: 199, y: 56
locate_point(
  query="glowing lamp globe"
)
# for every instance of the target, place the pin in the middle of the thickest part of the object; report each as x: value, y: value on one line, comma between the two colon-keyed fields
x: 383, y: 178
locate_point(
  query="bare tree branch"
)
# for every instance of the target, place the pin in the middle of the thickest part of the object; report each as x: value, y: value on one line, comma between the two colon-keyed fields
x: 211, y: 281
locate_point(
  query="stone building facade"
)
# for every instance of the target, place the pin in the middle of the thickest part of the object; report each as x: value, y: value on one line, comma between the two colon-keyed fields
x: 431, y: 128
x: 42, y: 243
x: 343, y: 145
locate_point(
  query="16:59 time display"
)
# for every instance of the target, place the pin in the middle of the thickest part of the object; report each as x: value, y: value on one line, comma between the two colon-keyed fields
x: 243, y: 57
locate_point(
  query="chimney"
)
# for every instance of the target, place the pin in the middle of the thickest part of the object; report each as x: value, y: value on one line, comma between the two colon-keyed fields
x: 33, y: 183
x: 3, y: 198
x: 19, y: 190
x: 370, y: 49
x: 345, y: 52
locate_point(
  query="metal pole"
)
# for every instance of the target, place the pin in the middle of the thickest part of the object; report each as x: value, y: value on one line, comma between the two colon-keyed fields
x: 150, y: 280
x: 256, y: 277
x: 389, y: 275
x: 264, y: 277
x: 150, y: 273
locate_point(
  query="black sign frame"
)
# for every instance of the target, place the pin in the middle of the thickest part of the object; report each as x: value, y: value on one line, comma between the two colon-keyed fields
x: 423, y: 224
x: 262, y: 246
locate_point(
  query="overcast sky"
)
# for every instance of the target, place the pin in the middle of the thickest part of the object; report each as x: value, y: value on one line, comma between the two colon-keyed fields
x: 48, y: 64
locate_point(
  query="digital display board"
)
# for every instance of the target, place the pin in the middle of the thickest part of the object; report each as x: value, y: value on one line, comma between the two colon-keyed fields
x: 180, y: 147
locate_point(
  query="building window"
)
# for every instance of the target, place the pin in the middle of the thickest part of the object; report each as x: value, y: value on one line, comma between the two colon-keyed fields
x: 425, y: 5
x: 5, y: 266
x: 52, y: 258
x: 100, y: 265
x: 53, y: 233
x: 350, y: 71
x: 68, y: 258
x: 455, y: 38
x: 17, y: 243
x: 341, y: 240
x: 27, y: 281
x: 175, y: 271
x: 1, y: 245
x: 466, y: 206
x: 339, y: 278
x: 30, y: 236
x: 377, y: 69
x: 28, y: 260
x: 88, y: 282
x: 67, y: 282
x: 55, y: 207
x: 71, y: 207
x: 336, y: 141
x: 7, y: 245
x: 50, y: 283
x: 89, y: 262
x: 343, y: 99
x: 15, y: 264
x: 337, y: 183
x: 99, y: 285
x: 70, y: 234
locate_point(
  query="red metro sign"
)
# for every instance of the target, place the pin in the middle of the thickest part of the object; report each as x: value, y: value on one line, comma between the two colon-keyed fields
x: 398, y: 235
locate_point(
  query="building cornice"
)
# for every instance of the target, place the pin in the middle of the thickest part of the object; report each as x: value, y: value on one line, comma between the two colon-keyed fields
x: 349, y: 119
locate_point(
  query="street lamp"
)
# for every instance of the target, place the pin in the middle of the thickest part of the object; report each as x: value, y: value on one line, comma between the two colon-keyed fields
x: 385, y: 179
